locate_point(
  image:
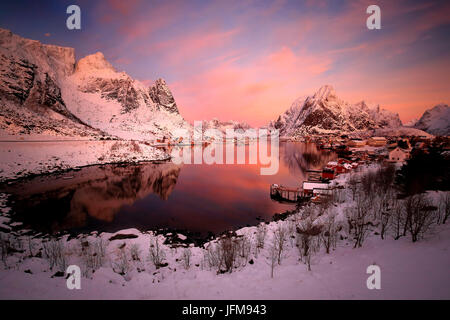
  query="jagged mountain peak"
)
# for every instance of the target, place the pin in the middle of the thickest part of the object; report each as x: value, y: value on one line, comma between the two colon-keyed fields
x: 94, y: 63
x: 43, y: 90
x: 324, y: 112
x: 325, y: 92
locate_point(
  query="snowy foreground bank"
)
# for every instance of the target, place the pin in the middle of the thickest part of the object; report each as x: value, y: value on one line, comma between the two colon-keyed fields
x: 20, y: 159
x: 268, y: 261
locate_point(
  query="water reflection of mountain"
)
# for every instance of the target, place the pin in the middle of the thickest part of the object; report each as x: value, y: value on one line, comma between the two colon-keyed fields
x: 299, y: 157
x: 53, y: 203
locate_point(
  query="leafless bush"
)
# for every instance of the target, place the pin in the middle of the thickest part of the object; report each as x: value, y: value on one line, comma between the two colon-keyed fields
x: 186, y: 258
x: 30, y: 246
x: 245, y: 248
x: 279, y: 241
x: 353, y: 183
x: 228, y: 252
x: 4, y: 247
x: 212, y: 256
x: 135, y: 252
x: 93, y: 255
x: 54, y: 252
x: 421, y: 216
x: 121, y: 264
x: 223, y: 254
x: 273, y: 256
x: 307, y: 246
x: 135, y: 147
x: 115, y: 147
x: 156, y: 253
x: 397, y: 218
x: 261, y: 232
x: 444, y: 207
x: 358, y: 219
x: 329, y: 234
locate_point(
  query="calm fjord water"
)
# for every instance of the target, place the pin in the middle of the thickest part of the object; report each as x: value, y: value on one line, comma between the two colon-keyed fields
x: 198, y: 198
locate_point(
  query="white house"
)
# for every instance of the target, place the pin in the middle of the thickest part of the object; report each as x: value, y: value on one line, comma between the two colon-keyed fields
x: 398, y: 155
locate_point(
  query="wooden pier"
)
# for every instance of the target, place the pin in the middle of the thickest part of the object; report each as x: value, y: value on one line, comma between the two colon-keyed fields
x: 281, y: 193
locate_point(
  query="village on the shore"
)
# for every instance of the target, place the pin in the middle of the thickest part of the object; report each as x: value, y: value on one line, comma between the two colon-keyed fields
x: 352, y: 153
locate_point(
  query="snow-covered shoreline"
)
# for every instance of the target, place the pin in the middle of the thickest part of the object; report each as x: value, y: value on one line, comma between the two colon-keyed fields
x: 27, y: 158
x: 409, y: 270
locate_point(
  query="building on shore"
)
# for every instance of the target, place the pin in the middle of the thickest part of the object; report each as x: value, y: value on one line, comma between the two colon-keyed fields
x: 399, y: 155
x: 377, y: 141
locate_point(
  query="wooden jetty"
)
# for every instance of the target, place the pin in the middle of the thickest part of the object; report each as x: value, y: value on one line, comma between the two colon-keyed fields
x: 281, y: 193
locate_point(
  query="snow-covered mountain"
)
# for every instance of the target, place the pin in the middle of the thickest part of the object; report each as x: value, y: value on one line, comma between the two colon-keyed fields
x: 45, y: 91
x: 324, y: 112
x: 435, y: 120
x: 411, y: 123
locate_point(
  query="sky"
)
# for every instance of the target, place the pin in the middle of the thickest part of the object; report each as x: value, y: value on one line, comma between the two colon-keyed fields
x: 248, y: 60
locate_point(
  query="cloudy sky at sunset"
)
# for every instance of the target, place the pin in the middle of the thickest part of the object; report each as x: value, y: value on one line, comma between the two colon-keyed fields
x: 249, y: 59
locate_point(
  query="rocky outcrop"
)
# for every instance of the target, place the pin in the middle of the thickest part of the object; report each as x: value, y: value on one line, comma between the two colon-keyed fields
x: 160, y: 94
x: 42, y: 84
x: 324, y: 112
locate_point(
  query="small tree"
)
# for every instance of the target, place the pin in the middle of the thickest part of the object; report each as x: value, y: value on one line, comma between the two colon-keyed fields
x: 358, y: 218
x: 156, y: 253
x: 279, y: 241
x: 329, y: 234
x: 186, y: 258
x: 421, y: 214
x: 305, y: 241
x: 397, y: 217
x: 445, y: 206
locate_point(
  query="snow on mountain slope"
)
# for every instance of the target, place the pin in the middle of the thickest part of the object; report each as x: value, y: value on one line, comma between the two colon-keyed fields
x: 45, y: 92
x: 324, y: 112
x: 411, y: 123
x: 435, y: 120
x: 118, y: 104
x: 30, y: 97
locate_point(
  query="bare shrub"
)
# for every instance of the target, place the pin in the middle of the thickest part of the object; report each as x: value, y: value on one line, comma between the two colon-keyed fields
x: 134, y: 147
x: 261, y: 232
x: 186, y: 258
x: 279, y: 241
x: 397, y: 218
x: 444, y: 207
x: 93, y: 255
x: 156, y: 253
x: 353, y: 183
x: 115, y: 147
x: 228, y: 252
x: 358, y: 219
x: 135, y: 252
x: 4, y: 247
x: 329, y: 234
x: 272, y: 256
x: 121, y: 264
x: 421, y: 216
x: 307, y: 232
x: 30, y: 246
x: 223, y: 254
x: 54, y: 253
x: 245, y: 248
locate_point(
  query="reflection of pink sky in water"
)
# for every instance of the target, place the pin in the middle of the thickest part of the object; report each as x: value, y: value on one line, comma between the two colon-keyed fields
x: 219, y: 197
x: 198, y: 198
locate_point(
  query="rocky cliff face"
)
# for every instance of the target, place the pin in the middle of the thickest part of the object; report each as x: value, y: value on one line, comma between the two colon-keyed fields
x: 30, y: 95
x: 435, y: 120
x: 161, y: 95
x: 324, y: 112
x: 43, y: 91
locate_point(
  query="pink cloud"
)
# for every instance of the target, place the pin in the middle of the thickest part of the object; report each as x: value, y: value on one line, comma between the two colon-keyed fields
x: 259, y: 90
